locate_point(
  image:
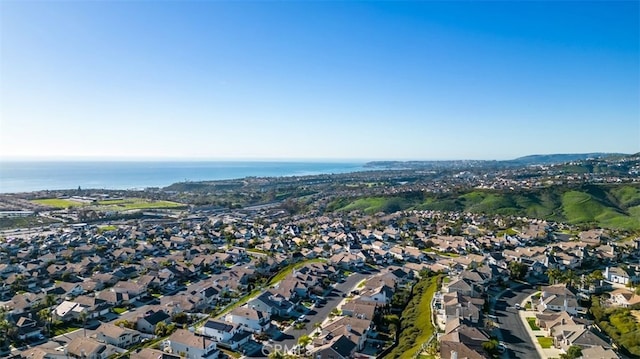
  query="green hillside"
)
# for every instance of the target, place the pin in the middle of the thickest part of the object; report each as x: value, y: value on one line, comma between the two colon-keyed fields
x: 608, y: 206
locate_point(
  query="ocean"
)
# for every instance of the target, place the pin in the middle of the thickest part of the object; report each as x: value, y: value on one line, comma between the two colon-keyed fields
x: 18, y: 176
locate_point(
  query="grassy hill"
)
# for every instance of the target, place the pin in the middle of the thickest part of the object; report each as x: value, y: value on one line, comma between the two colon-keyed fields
x: 608, y: 206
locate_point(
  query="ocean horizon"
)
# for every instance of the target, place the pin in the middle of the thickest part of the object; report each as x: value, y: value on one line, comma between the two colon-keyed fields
x: 30, y: 176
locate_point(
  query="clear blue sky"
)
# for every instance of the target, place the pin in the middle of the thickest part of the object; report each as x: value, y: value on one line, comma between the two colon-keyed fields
x: 318, y: 80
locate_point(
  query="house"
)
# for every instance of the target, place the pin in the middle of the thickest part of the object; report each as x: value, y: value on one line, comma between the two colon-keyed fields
x: 188, y: 345
x: 355, y: 329
x: 44, y: 353
x: 340, y: 347
x: 68, y: 310
x: 147, y: 323
x: 218, y: 331
x: 463, y: 341
x: 250, y: 319
x: 88, y: 348
x: 148, y: 353
x: 96, y: 307
x: 117, y: 336
x: 559, y: 297
x: 598, y: 353
x: 134, y: 290
x: 274, y: 304
x: 620, y: 275
x: 380, y: 294
x: 360, y: 309
x: 565, y: 336
x: 624, y: 298
x: 462, y: 286
x: 457, y: 306
x: 27, y: 328
x: 226, y: 334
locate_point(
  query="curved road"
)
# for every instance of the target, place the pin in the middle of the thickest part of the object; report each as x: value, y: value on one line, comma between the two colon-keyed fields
x: 511, y: 329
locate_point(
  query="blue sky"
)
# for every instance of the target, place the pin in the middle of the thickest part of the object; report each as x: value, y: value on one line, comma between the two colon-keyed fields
x: 318, y: 80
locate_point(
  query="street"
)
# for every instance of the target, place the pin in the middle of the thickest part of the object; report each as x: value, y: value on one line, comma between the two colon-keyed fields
x: 511, y: 330
x: 318, y: 315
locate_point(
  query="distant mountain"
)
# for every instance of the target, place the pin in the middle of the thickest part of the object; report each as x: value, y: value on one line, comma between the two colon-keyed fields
x: 560, y: 158
x: 548, y: 159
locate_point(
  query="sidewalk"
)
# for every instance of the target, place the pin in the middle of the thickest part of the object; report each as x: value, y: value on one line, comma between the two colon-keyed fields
x: 544, y: 353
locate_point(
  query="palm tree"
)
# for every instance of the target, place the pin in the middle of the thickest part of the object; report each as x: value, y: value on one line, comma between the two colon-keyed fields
x: 554, y: 275
x: 317, y: 326
x: 303, y: 341
x: 569, y: 277
x: 83, y: 318
x: 49, y: 302
x: 45, y: 316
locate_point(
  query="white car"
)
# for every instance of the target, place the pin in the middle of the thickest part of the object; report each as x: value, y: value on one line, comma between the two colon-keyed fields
x: 301, y: 318
x: 517, y: 306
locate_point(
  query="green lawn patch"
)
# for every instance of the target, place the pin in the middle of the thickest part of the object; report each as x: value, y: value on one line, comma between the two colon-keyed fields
x: 119, y: 310
x: 136, y: 203
x: 64, y: 328
x: 545, y: 342
x: 532, y: 323
x: 58, y: 202
x: 230, y: 353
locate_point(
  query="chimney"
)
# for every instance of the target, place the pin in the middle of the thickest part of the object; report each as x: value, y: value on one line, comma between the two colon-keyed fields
x: 454, y: 354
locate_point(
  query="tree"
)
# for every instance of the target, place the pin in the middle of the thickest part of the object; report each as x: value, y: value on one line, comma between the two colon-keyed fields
x: 574, y: 352
x: 317, y: 326
x: 303, y: 341
x: 83, y: 318
x: 569, y: 277
x: 517, y: 270
x: 276, y: 354
x: 45, y: 316
x: 180, y: 318
x: 554, y: 275
x: 161, y: 329
x: 490, y: 346
x: 4, y: 328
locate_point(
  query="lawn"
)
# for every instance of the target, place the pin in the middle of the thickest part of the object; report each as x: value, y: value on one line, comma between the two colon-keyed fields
x: 137, y: 203
x: 416, y: 320
x: 119, y: 310
x: 64, y: 328
x: 58, y: 203
x: 545, y: 342
x: 532, y: 323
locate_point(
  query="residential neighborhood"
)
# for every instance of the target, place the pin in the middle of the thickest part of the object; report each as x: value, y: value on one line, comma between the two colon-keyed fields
x: 206, y: 287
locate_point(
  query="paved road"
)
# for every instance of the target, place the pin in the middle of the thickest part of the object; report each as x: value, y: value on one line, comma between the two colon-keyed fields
x: 317, y: 315
x: 512, y: 331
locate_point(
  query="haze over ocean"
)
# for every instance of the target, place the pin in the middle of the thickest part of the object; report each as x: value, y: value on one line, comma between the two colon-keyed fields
x: 27, y: 176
